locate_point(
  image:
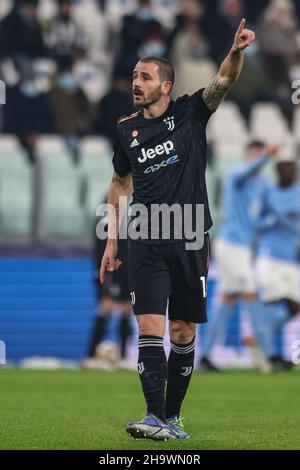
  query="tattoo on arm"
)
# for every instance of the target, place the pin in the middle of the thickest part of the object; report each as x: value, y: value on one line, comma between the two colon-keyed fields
x: 214, y: 93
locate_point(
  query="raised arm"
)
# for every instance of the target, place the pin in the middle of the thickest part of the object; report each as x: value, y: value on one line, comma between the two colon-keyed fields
x: 120, y: 186
x: 230, y: 68
x: 250, y: 169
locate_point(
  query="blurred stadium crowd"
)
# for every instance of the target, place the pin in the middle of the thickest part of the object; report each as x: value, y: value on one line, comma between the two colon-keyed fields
x: 67, y: 67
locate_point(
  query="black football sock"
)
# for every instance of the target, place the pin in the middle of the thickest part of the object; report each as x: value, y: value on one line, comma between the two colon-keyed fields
x: 153, y: 371
x: 98, y: 332
x: 125, y: 332
x: 180, y: 368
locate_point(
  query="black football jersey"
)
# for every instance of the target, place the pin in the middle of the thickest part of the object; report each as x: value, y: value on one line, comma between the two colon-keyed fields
x: 166, y: 155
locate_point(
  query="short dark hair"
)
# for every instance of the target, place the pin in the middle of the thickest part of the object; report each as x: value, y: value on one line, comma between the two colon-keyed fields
x: 165, y: 68
x: 255, y: 143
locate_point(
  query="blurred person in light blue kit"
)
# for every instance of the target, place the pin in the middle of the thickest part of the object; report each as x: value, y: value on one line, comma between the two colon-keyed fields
x: 278, y: 254
x: 243, y: 193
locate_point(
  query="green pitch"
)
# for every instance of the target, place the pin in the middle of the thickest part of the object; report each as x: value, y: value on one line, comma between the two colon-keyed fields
x: 89, y: 410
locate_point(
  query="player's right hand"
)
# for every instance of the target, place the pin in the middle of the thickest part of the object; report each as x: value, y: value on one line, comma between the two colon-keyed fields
x: 109, y: 262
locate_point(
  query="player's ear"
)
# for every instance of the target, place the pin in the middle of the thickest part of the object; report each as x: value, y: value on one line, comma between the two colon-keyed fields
x: 166, y: 87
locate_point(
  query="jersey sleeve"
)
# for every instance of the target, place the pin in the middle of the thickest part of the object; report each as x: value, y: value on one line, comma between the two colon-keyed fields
x: 120, y: 159
x: 199, y: 108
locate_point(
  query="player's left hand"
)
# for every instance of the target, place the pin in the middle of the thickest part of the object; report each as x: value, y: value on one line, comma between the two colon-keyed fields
x: 243, y: 37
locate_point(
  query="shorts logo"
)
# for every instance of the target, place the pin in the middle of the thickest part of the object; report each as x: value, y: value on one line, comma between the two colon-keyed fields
x: 140, y: 367
x: 186, y: 371
x: 132, y: 295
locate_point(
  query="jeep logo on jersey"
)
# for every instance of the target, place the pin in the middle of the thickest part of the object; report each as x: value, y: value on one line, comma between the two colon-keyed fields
x: 160, y: 149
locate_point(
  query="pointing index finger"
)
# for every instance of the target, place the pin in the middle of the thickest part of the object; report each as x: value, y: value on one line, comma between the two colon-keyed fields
x: 241, y: 26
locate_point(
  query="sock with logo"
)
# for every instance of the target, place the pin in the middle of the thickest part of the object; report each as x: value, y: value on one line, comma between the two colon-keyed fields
x: 153, y: 372
x: 180, y: 368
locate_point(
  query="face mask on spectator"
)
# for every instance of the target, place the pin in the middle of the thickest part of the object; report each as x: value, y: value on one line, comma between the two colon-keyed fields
x: 67, y: 82
x: 30, y: 89
x: 145, y: 14
x: 152, y: 49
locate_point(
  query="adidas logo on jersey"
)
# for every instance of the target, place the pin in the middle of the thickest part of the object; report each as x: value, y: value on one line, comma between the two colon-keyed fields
x: 134, y: 143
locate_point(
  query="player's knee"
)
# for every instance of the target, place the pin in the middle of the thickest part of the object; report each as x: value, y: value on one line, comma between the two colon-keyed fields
x: 249, y: 296
x: 107, y: 305
x: 229, y: 298
x: 182, y: 332
x: 153, y: 325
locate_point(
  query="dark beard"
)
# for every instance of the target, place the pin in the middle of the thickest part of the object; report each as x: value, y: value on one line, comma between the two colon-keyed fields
x: 153, y: 98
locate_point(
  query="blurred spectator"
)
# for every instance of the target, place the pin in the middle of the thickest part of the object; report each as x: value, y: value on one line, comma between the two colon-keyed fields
x: 116, y: 103
x: 233, y: 11
x: 215, y: 22
x: 254, y: 9
x: 63, y: 35
x: 91, y: 78
x: 223, y: 29
x: 297, y: 10
x: 222, y: 19
x: 190, y: 49
x: 20, y: 35
x: 102, y: 5
x: 190, y: 23
x: 252, y: 85
x: 71, y: 110
x: 28, y: 114
x: 277, y: 36
x: 141, y: 35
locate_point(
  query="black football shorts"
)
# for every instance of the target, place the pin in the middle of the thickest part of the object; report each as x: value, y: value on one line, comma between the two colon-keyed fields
x: 168, y: 275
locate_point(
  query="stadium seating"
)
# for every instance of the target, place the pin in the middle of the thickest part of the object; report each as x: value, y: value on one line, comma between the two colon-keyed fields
x: 16, y: 194
x: 268, y: 124
x: 60, y: 197
x: 227, y: 127
x: 96, y: 168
